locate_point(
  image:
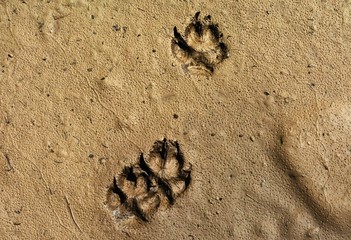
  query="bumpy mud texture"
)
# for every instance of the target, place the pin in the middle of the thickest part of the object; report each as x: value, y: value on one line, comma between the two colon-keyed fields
x: 202, y: 48
x: 152, y: 183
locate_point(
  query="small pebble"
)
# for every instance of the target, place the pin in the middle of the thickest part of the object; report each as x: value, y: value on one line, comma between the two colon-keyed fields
x: 62, y: 153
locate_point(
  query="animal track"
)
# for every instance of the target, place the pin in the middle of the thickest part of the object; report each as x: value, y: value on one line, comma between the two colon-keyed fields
x: 152, y: 183
x: 202, y: 49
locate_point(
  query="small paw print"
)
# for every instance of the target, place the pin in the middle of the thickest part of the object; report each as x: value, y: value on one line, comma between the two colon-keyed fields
x: 154, y: 182
x: 202, y: 48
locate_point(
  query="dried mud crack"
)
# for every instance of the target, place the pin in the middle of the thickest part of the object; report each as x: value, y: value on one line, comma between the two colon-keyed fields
x: 150, y: 184
x: 202, y: 48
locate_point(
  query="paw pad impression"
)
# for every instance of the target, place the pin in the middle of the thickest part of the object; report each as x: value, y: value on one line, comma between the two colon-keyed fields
x: 202, y: 48
x: 152, y: 183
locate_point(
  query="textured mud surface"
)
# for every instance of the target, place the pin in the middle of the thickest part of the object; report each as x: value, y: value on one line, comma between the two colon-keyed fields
x: 86, y: 86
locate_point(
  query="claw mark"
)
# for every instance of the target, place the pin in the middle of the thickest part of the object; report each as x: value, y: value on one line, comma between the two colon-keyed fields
x: 122, y: 196
x: 141, y: 189
x: 202, y: 49
x: 9, y: 163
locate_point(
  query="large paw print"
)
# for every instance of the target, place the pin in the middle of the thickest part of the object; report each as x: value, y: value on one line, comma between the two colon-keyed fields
x: 202, y: 48
x: 141, y: 189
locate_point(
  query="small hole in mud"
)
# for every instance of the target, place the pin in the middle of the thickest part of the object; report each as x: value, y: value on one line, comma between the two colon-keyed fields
x: 292, y: 176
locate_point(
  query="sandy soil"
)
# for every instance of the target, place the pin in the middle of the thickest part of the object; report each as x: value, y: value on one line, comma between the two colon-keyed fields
x: 86, y: 86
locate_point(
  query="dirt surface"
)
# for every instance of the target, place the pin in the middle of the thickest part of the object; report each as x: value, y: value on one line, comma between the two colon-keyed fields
x: 87, y: 86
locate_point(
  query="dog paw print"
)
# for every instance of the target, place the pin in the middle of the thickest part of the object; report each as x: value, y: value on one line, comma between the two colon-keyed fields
x: 150, y: 184
x: 202, y: 48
